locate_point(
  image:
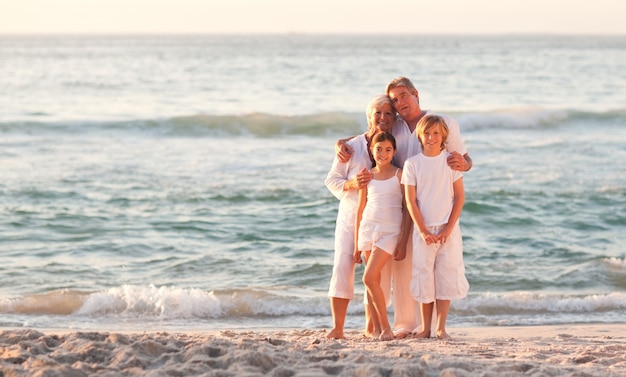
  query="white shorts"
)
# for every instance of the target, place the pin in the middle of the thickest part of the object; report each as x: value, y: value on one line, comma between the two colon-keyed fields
x: 375, y: 235
x: 438, y: 269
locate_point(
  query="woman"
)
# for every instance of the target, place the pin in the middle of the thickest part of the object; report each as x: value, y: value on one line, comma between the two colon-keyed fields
x: 344, y: 180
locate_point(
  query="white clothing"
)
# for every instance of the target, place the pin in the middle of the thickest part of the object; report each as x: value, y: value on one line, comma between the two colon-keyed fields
x: 438, y: 269
x: 433, y: 180
x: 406, y: 309
x: 408, y: 144
x: 382, y: 217
x: 406, y: 317
x: 342, y: 280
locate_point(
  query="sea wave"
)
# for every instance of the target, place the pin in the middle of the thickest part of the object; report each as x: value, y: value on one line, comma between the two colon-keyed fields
x: 164, y: 302
x: 319, y: 124
x: 540, y: 308
x: 172, y: 303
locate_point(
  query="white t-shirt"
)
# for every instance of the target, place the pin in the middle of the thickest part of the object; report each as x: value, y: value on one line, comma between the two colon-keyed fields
x: 433, y: 180
x: 407, y: 143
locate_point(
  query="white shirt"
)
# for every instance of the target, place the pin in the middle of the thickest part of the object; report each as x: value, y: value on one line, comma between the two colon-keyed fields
x: 407, y: 143
x: 433, y: 180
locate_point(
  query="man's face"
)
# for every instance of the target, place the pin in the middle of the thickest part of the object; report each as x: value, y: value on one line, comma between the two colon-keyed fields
x: 405, y: 102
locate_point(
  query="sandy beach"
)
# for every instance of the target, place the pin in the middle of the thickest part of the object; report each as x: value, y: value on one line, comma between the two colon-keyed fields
x: 565, y: 350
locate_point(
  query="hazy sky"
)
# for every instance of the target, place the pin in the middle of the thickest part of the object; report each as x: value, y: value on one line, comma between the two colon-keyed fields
x: 313, y: 16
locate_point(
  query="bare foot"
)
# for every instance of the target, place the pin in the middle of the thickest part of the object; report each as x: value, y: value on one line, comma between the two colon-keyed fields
x: 335, y: 334
x: 443, y: 335
x: 423, y: 335
x: 372, y: 334
x: 387, y: 334
x: 402, y: 334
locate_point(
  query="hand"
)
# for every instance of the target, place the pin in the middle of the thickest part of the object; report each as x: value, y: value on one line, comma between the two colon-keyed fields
x: 343, y: 150
x: 400, y: 252
x: 428, y: 237
x: 363, y: 178
x: 444, y: 234
x: 357, y: 257
x: 458, y: 162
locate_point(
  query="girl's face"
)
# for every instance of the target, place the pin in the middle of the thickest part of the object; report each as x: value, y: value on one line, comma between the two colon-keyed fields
x: 432, y: 140
x: 381, y: 117
x: 383, y: 152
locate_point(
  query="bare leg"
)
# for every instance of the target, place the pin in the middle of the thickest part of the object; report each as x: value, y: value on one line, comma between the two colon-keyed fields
x: 372, y: 321
x: 339, y: 308
x: 372, y: 277
x: 426, y: 312
x: 369, y: 325
x: 443, y: 306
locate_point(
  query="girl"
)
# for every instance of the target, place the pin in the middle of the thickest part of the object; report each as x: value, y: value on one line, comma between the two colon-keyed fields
x: 378, y: 227
x: 435, y: 197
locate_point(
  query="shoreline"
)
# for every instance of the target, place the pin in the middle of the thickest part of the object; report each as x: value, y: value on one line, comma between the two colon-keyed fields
x: 557, y: 350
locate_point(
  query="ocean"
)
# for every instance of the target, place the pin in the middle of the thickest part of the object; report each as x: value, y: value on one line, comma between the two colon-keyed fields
x: 177, y: 182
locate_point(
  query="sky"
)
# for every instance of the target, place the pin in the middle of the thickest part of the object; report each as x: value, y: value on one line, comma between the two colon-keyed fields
x: 312, y: 16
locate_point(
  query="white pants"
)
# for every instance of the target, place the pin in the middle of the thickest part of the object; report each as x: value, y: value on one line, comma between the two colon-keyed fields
x: 342, y: 280
x: 406, y: 317
x: 438, y: 269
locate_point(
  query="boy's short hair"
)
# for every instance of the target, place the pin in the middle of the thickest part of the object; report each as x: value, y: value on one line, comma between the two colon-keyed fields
x: 429, y: 121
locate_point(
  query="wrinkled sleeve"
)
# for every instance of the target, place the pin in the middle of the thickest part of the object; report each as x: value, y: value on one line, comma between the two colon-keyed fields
x: 455, y: 141
x: 336, y: 178
x: 456, y: 175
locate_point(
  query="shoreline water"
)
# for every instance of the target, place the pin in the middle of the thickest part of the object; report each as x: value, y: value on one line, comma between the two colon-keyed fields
x: 562, y: 350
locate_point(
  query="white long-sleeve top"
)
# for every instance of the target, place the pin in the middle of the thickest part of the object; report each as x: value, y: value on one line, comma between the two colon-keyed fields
x: 341, y: 172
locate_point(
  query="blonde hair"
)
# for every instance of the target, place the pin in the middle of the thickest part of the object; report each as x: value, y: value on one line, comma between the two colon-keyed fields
x: 377, y: 101
x: 428, y: 122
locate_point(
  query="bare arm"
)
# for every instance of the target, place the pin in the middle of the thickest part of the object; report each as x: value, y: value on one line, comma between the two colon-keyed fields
x: 359, y: 215
x: 457, y: 207
x: 405, y: 229
x: 416, y: 214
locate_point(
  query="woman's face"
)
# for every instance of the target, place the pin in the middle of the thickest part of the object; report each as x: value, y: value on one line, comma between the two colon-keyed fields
x: 381, y: 118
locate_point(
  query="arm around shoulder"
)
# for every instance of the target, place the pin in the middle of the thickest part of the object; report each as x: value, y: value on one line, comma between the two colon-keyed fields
x: 343, y: 151
x: 468, y: 161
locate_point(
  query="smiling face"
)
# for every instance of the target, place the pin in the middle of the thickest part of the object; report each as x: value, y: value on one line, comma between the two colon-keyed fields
x: 381, y: 117
x: 432, y: 132
x: 383, y: 152
x: 383, y: 148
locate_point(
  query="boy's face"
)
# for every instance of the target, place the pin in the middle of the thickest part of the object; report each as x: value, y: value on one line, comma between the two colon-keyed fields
x: 432, y: 139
